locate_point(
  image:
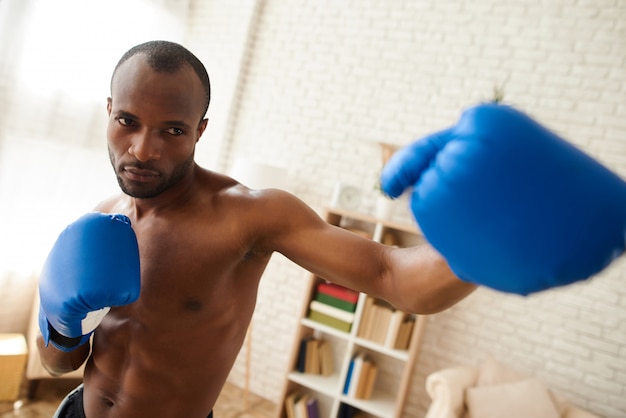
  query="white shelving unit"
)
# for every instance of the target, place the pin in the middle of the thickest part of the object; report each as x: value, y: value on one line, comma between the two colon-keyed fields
x: 395, y: 366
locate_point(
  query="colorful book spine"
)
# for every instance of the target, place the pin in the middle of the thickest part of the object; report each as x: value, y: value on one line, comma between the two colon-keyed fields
x: 335, y: 302
x: 312, y: 408
x: 330, y: 321
x: 332, y: 311
x: 301, y: 363
x: 315, y: 356
x: 338, y: 292
x: 361, y: 377
x: 355, y: 378
x: 346, y: 386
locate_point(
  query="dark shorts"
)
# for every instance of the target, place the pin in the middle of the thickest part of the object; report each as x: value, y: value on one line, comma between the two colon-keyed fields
x: 72, y: 405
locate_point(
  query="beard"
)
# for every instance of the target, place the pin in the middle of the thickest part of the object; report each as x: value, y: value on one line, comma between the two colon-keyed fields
x: 142, y: 191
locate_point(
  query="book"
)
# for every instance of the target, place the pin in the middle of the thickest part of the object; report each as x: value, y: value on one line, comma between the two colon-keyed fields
x: 335, y: 302
x: 363, y: 376
x: 397, y: 317
x: 301, y: 406
x: 315, y: 356
x: 312, y: 408
x: 327, y: 366
x: 376, y: 321
x: 355, y: 377
x: 367, y: 317
x: 404, y: 333
x: 301, y: 363
x: 380, y: 325
x: 347, y: 411
x: 331, y: 316
x: 312, y: 357
x: 338, y: 292
x: 330, y: 321
x: 290, y: 404
x: 346, y: 385
x: 370, y: 380
x: 332, y: 311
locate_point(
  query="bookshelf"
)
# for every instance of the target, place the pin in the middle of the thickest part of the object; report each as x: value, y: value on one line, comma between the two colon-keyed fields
x: 394, y: 365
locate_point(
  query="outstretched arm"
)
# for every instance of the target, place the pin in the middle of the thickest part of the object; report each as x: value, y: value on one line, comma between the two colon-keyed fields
x: 415, y: 279
x: 419, y: 280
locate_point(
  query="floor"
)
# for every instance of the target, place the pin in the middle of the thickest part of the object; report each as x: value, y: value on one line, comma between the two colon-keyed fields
x: 231, y: 403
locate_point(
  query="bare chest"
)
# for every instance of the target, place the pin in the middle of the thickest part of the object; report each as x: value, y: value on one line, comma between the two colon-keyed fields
x: 196, y: 270
x: 198, y: 293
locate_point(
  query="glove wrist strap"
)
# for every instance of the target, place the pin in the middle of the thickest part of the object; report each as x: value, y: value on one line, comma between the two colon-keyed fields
x: 62, y: 341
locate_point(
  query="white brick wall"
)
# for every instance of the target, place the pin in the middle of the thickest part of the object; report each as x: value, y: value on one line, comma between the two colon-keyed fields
x: 322, y: 81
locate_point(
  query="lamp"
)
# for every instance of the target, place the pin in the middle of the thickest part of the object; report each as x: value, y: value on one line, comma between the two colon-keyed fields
x: 258, y: 175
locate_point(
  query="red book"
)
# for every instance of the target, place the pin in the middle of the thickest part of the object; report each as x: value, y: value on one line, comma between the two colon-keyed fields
x: 338, y: 292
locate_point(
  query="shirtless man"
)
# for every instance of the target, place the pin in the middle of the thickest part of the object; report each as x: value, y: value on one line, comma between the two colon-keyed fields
x: 204, y: 241
x: 182, y: 282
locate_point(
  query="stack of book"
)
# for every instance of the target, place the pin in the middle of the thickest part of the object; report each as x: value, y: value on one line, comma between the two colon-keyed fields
x: 361, y: 377
x: 299, y: 405
x: 315, y: 357
x: 387, y: 326
x: 334, y: 306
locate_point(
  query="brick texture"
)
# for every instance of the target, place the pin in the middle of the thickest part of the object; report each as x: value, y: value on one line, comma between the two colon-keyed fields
x: 322, y: 82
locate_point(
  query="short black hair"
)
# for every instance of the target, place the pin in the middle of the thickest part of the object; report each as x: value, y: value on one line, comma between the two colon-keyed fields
x: 165, y: 56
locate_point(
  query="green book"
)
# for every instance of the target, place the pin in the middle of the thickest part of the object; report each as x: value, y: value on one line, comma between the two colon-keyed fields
x: 336, y: 302
x: 330, y: 321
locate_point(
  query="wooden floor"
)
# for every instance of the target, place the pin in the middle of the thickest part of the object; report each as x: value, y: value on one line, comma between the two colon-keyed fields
x: 51, y: 392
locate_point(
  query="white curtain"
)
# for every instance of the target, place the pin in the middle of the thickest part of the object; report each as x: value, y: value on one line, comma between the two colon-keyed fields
x: 56, y: 59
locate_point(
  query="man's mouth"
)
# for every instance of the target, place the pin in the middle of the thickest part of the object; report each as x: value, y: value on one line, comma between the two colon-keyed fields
x: 140, y: 174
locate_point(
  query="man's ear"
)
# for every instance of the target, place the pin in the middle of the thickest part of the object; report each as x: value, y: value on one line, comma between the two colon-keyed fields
x: 109, y: 105
x: 201, y: 127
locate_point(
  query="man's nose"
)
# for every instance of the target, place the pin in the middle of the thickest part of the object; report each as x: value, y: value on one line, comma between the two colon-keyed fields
x: 145, y: 146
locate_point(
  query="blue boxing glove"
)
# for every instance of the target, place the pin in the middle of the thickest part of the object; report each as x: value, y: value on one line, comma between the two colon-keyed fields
x: 509, y: 204
x: 93, y: 266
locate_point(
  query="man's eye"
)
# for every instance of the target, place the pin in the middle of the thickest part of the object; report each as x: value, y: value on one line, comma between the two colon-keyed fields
x: 175, y: 131
x: 125, y: 121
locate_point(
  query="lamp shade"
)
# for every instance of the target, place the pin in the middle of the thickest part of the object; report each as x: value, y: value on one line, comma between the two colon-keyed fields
x: 259, y: 176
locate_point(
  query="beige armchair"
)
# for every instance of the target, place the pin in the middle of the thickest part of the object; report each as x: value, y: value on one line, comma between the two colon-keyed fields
x: 494, y: 390
x: 35, y: 371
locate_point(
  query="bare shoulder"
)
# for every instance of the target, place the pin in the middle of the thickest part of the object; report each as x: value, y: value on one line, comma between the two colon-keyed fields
x: 271, y: 214
x: 267, y: 204
x: 270, y: 207
x: 112, y: 204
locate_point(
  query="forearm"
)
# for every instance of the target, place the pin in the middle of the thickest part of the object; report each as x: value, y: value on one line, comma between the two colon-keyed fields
x: 58, y: 362
x: 419, y: 280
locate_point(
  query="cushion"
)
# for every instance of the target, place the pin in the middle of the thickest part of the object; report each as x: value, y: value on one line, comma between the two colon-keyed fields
x: 494, y: 373
x: 522, y: 399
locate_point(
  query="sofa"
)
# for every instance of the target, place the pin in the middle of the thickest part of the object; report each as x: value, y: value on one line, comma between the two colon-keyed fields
x: 494, y: 390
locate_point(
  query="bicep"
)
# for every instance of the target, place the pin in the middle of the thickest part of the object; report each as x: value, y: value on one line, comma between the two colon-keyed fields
x: 415, y: 279
x: 328, y: 251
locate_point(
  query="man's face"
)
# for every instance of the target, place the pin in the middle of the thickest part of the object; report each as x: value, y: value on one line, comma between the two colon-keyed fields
x: 155, y: 120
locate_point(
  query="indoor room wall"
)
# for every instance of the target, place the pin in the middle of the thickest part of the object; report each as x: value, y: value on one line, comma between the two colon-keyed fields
x: 322, y: 82
x: 53, y: 87
x: 313, y: 86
